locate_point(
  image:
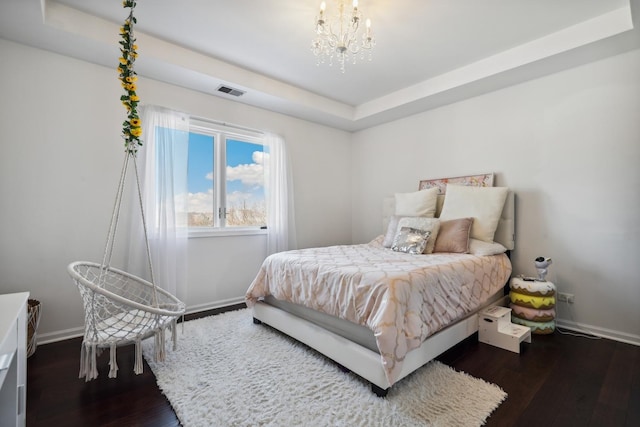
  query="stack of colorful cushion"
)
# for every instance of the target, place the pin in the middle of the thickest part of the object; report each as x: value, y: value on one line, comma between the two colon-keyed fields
x: 533, y: 305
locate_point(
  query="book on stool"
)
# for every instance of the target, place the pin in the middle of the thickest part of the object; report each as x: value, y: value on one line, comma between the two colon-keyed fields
x: 495, y: 328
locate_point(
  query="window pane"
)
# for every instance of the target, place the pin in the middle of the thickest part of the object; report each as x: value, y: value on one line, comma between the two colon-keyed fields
x: 200, y: 180
x: 245, y: 184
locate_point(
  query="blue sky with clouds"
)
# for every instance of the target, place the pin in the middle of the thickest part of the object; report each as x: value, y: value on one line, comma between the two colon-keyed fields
x: 245, y: 172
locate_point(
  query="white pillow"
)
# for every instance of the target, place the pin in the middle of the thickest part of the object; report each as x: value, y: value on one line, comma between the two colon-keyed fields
x: 483, y: 204
x: 419, y: 203
x: 431, y: 225
x: 392, y: 227
x: 480, y: 248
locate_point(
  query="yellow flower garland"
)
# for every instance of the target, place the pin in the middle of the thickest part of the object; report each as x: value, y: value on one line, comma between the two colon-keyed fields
x: 132, y: 127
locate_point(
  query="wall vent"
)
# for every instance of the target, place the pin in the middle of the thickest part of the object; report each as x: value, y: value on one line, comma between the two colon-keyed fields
x: 230, y: 91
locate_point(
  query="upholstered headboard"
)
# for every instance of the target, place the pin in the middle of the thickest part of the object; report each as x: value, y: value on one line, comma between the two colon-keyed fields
x: 505, y: 233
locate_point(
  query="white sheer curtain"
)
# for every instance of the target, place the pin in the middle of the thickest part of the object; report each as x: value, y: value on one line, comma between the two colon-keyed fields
x: 162, y: 166
x: 281, y: 230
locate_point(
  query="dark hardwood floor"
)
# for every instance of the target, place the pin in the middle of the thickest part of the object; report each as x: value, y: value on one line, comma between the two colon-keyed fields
x: 558, y: 380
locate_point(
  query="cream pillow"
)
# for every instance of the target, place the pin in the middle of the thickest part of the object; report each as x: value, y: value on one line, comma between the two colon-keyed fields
x: 419, y: 203
x: 480, y: 248
x: 483, y: 204
x: 432, y: 225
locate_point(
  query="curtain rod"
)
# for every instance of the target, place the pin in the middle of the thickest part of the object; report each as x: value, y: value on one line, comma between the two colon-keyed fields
x: 230, y: 125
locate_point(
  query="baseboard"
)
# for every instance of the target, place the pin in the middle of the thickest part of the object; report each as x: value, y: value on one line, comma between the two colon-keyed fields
x: 56, y: 336
x: 66, y: 334
x: 598, y: 331
x: 213, y: 305
x: 51, y: 337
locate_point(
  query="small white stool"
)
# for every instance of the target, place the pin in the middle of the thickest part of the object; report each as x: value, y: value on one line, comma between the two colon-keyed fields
x: 495, y: 328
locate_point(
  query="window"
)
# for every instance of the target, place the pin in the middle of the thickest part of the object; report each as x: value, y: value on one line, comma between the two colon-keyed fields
x: 225, y: 178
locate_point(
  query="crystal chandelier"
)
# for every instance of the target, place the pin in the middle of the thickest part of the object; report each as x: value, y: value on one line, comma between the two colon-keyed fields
x: 338, y: 36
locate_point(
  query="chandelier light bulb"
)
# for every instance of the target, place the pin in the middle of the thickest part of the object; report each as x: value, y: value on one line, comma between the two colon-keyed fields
x: 338, y: 34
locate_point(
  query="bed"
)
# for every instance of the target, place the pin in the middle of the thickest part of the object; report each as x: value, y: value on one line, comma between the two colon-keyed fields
x: 382, y: 312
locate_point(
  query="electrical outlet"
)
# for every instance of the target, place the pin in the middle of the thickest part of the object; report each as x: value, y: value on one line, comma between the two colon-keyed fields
x: 564, y: 297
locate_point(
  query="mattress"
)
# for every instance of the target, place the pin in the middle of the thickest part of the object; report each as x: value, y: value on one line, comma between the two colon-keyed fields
x: 401, y: 298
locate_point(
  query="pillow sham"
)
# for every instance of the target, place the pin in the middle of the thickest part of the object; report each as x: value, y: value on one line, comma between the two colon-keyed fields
x: 484, y: 204
x: 453, y: 236
x: 481, y: 248
x: 392, y: 229
x: 432, y: 225
x: 418, y: 203
x: 410, y: 240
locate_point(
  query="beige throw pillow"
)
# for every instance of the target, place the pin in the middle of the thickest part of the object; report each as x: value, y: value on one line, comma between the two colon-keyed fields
x: 453, y: 236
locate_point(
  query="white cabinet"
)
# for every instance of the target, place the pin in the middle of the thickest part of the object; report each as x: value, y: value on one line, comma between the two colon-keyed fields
x: 13, y: 359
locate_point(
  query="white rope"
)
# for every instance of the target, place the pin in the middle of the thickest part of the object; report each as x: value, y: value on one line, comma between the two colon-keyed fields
x: 115, y: 214
x: 146, y: 235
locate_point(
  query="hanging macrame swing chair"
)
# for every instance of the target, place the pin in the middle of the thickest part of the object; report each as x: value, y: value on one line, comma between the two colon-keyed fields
x: 120, y: 308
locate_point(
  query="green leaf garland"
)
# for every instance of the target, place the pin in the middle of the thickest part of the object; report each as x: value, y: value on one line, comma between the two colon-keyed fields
x: 132, y: 126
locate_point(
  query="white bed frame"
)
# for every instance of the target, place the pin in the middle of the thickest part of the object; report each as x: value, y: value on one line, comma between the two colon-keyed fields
x: 365, y: 362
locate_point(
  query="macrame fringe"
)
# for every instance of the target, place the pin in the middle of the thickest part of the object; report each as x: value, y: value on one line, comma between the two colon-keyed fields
x: 159, y: 345
x: 93, y: 368
x: 83, y: 364
x: 113, y: 372
x: 174, y: 333
x: 88, y: 364
x: 138, y: 366
x: 90, y: 352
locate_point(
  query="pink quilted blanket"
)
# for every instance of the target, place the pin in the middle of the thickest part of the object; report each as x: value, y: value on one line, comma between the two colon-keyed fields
x: 402, y: 298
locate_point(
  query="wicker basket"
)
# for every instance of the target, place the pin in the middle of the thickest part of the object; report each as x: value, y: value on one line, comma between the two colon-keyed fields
x: 33, y: 318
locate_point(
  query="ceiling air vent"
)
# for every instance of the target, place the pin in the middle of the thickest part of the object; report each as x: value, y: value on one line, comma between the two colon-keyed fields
x: 230, y: 91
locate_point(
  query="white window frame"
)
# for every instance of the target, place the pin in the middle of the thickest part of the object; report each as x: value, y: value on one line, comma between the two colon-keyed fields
x: 221, y: 133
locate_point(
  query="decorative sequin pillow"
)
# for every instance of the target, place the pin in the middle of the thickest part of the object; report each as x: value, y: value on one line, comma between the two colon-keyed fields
x: 425, y: 224
x: 410, y: 240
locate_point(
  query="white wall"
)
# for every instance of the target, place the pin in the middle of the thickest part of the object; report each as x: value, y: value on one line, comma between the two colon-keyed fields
x: 569, y: 146
x: 61, y: 156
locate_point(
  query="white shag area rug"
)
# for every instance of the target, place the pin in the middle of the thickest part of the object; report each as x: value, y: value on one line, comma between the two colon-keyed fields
x: 229, y: 372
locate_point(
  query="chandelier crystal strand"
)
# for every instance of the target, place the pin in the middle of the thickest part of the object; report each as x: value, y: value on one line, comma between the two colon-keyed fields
x: 338, y: 38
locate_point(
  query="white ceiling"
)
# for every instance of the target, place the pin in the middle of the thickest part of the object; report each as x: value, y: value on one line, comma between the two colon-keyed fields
x: 429, y: 52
